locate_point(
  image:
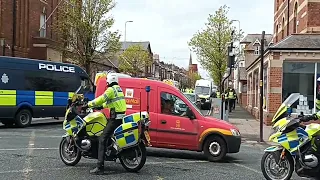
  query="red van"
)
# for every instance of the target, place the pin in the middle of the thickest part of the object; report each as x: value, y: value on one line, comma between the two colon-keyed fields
x: 177, y: 123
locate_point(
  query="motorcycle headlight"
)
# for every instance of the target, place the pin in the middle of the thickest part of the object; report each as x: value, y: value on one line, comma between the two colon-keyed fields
x: 235, y: 132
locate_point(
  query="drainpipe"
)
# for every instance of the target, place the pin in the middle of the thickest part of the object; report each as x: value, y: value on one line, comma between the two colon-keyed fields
x: 14, y: 21
x: 288, y: 17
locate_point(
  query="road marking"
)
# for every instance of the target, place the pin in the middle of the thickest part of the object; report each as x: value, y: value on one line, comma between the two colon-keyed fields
x: 159, y: 178
x: 29, y: 148
x: 27, y: 136
x: 27, y: 166
x: 246, y: 167
x: 66, y: 167
x: 176, y: 162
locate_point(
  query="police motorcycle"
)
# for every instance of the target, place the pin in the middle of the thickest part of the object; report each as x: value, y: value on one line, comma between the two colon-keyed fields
x: 295, y: 149
x: 83, y: 128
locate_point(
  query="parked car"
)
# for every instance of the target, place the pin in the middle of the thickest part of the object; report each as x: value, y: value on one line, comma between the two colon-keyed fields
x: 194, y: 98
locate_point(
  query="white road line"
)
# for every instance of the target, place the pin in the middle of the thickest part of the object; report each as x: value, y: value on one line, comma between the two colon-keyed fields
x: 248, y: 168
x: 176, y: 162
x: 29, y: 148
x: 87, y: 167
x: 27, y: 166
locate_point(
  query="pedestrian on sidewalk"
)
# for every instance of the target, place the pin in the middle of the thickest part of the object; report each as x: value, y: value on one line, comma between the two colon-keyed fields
x: 231, y: 96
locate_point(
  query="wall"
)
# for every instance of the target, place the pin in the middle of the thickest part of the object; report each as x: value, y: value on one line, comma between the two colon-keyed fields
x: 308, y: 17
x: 27, y: 24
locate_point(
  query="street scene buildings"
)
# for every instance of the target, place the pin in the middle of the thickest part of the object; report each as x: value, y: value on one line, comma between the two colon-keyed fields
x: 291, y: 59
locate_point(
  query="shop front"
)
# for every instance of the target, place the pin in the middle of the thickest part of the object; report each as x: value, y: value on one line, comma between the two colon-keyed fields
x: 301, y: 77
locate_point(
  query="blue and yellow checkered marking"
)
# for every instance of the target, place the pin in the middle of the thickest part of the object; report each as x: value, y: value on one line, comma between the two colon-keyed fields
x: 36, y: 98
x: 127, y: 134
x: 292, y: 140
x: 73, y: 126
x: 135, y: 117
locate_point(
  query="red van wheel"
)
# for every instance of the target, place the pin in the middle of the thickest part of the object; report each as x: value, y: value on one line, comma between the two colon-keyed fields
x: 215, y: 148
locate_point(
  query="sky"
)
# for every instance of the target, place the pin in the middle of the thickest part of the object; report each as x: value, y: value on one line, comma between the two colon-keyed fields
x: 169, y: 24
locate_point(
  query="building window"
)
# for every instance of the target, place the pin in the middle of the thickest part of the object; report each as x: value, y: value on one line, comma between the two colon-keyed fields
x: 299, y: 77
x: 257, y: 50
x: 265, y: 86
x: 43, y: 25
x: 295, y: 15
x: 256, y: 89
x: 282, y: 30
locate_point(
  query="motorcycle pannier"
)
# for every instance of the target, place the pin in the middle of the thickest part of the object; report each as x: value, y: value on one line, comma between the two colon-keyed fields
x: 127, y: 135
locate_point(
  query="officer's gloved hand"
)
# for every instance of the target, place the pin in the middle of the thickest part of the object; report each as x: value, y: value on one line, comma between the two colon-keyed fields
x: 85, y: 106
x: 99, y: 108
x: 308, y: 118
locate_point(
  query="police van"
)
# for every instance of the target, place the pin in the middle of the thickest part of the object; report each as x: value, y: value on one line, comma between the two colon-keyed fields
x: 35, y: 88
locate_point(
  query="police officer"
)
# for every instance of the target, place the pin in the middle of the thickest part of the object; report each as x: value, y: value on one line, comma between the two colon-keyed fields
x: 113, y: 98
x: 231, y: 96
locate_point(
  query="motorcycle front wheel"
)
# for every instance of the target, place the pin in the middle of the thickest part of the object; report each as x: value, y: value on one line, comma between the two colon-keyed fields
x: 272, y: 170
x: 133, y: 159
x: 69, y: 154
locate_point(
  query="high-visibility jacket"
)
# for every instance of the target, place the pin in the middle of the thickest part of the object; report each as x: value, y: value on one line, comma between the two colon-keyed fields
x: 113, y: 97
x: 218, y: 94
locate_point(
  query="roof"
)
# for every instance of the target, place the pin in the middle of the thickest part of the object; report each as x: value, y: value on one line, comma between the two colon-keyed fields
x: 255, y: 39
x: 299, y: 42
x: 249, y: 38
x: 144, y: 44
x: 294, y: 42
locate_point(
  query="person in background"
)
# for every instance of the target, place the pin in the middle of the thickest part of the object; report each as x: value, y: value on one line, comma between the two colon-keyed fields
x: 231, y: 97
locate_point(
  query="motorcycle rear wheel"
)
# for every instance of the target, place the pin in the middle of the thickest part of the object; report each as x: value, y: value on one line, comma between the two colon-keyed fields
x: 272, y: 172
x: 69, y: 156
x: 133, y: 153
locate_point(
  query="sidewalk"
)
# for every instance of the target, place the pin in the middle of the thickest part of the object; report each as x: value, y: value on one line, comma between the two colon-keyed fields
x: 249, y: 127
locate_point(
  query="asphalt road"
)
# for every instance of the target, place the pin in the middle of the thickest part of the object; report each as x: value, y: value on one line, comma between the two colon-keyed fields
x: 32, y: 154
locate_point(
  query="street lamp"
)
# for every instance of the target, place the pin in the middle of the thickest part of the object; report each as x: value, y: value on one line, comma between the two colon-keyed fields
x: 125, y: 33
x: 2, y: 43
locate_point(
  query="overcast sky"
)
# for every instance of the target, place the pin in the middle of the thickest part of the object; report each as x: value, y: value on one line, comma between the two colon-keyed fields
x: 170, y: 24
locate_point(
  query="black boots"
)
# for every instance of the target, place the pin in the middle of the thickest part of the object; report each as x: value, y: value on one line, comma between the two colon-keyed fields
x: 97, y: 171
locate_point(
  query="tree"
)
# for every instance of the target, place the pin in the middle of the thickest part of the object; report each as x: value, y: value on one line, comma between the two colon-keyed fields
x: 134, y: 60
x: 83, y: 27
x: 193, y: 77
x: 211, y: 44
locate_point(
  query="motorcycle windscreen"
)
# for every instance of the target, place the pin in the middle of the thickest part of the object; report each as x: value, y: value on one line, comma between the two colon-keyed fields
x: 284, y: 106
x: 127, y: 135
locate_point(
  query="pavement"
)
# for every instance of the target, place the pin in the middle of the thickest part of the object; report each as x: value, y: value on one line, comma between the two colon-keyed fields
x: 249, y: 126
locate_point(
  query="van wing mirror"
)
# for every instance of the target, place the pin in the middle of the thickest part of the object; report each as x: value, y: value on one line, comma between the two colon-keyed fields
x: 190, y: 114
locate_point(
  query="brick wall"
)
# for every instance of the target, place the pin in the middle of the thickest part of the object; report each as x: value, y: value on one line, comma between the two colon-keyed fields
x: 308, y: 15
x: 27, y: 25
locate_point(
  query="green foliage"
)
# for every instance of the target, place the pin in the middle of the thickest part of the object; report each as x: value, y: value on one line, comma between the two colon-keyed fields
x: 134, y: 60
x: 193, y: 77
x: 211, y: 43
x: 84, y: 29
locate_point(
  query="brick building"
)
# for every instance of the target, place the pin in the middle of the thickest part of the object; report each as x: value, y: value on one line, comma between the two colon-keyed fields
x: 292, y: 62
x: 22, y: 25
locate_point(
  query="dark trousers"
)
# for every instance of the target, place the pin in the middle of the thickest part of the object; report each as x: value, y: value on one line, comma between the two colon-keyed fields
x: 231, y: 104
x: 106, y: 134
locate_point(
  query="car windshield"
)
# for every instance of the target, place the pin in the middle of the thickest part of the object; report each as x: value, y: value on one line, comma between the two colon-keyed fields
x: 202, y: 90
x: 191, y: 97
x: 192, y: 104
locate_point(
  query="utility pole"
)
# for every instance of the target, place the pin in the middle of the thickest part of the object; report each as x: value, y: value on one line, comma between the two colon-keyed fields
x: 231, y: 58
x: 261, y: 84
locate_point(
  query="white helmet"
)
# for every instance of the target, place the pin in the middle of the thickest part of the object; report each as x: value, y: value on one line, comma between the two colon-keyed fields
x: 112, y: 77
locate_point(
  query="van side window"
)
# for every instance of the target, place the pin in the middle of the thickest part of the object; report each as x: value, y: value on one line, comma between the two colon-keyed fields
x: 50, y: 81
x: 172, y: 105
